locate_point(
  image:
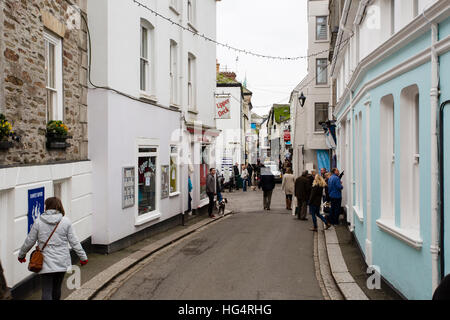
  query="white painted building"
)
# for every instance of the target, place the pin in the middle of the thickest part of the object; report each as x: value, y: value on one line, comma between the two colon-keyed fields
x: 152, y: 122
x: 309, y: 140
x: 230, y: 144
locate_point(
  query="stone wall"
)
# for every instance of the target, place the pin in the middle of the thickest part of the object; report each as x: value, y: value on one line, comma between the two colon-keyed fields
x: 23, y: 77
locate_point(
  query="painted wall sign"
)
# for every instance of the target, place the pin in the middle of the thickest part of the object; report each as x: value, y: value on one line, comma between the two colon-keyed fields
x: 223, y: 108
x: 36, y: 198
x: 128, y: 187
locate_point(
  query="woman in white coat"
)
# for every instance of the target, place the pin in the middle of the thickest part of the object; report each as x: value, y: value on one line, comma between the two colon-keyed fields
x: 288, y: 186
x: 56, y: 254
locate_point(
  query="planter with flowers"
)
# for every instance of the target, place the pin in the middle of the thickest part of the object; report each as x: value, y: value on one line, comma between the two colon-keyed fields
x: 57, y: 134
x: 7, y: 135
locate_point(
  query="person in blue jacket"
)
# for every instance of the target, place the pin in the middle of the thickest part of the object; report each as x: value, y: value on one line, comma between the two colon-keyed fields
x: 335, y: 193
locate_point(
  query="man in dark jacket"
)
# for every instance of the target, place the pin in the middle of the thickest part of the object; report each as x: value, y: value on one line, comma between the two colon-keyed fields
x: 211, y: 190
x: 303, y: 188
x: 267, y: 184
x: 250, y: 173
x: 4, y: 291
x: 236, y: 175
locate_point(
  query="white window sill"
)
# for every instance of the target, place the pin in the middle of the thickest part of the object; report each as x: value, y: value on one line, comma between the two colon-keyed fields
x: 146, y: 218
x: 191, y: 25
x: 174, y: 194
x: 322, y: 41
x: 149, y: 97
x: 359, y: 213
x: 174, y: 105
x: 175, y: 10
x: 410, y: 237
x: 322, y: 85
x: 194, y: 111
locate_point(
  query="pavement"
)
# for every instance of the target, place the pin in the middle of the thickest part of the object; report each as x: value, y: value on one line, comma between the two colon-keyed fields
x: 251, y: 254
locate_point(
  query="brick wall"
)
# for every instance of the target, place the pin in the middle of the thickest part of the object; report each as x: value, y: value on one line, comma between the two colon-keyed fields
x: 23, y: 77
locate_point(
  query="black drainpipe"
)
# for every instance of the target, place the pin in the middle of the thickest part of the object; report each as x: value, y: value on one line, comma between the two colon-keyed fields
x: 441, y: 183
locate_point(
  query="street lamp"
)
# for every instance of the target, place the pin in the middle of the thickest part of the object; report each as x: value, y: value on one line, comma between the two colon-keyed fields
x: 302, y: 99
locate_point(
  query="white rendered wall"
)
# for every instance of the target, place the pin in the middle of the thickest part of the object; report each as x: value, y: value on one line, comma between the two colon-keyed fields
x: 14, y: 185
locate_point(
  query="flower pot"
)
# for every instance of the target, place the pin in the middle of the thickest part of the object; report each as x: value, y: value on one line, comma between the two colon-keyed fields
x: 5, y: 145
x: 57, y: 142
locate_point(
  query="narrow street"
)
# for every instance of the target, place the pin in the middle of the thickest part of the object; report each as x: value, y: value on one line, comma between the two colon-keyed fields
x: 252, y: 254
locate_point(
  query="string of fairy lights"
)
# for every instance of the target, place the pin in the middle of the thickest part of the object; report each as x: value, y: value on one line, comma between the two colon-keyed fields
x: 225, y: 45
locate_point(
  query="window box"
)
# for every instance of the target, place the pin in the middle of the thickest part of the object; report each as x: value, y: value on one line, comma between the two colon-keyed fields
x: 57, y: 142
x: 5, y: 145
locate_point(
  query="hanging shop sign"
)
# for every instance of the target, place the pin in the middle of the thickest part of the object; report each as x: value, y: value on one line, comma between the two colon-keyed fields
x: 128, y: 187
x: 287, y: 135
x: 223, y: 108
x: 36, y: 199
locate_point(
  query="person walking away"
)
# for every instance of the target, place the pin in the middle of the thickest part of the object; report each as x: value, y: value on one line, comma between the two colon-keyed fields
x: 236, y: 175
x: 302, y: 193
x: 254, y: 180
x: 267, y: 183
x: 57, y: 257
x: 4, y: 290
x: 288, y: 186
x: 250, y: 174
x: 315, y: 201
x: 335, y: 192
x: 211, y: 190
x: 219, y: 188
x: 244, y: 176
x: 190, y: 187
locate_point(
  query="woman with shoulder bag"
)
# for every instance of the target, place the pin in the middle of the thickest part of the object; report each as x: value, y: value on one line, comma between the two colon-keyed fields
x: 53, y: 233
x: 315, y: 201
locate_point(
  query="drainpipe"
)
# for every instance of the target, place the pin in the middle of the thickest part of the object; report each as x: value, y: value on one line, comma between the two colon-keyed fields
x: 441, y: 184
x: 434, y: 248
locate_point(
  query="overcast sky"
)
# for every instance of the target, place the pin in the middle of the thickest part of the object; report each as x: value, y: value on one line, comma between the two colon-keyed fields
x: 277, y: 28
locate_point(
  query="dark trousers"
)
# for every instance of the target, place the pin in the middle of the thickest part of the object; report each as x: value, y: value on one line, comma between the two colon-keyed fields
x: 315, y: 212
x: 267, y: 199
x: 335, y: 210
x: 211, y: 203
x: 51, y: 285
x: 303, y: 209
x: 189, y: 202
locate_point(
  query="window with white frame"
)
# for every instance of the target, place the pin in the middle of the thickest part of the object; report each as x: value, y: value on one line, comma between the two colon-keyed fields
x: 191, y: 82
x: 173, y: 72
x: 191, y: 11
x: 321, y: 28
x: 409, y: 159
x: 146, y: 57
x: 321, y: 115
x: 358, y: 164
x: 387, y: 158
x: 321, y: 71
x: 147, y: 179
x: 54, y: 76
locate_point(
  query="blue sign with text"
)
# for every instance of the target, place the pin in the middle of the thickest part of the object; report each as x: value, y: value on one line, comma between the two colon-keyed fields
x: 35, y: 205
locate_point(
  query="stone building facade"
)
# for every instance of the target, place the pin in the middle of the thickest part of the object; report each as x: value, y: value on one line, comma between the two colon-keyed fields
x: 23, y: 77
x: 43, y: 76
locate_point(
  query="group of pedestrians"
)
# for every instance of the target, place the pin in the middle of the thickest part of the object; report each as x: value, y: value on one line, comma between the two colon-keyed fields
x: 311, y: 190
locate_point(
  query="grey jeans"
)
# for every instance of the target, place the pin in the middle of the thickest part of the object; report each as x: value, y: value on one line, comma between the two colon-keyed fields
x: 267, y: 199
x: 51, y: 285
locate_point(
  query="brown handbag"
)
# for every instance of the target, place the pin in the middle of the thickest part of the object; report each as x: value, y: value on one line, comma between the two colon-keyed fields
x: 37, y: 258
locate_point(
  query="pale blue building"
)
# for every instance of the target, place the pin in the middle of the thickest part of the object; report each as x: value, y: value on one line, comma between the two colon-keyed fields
x: 391, y: 69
